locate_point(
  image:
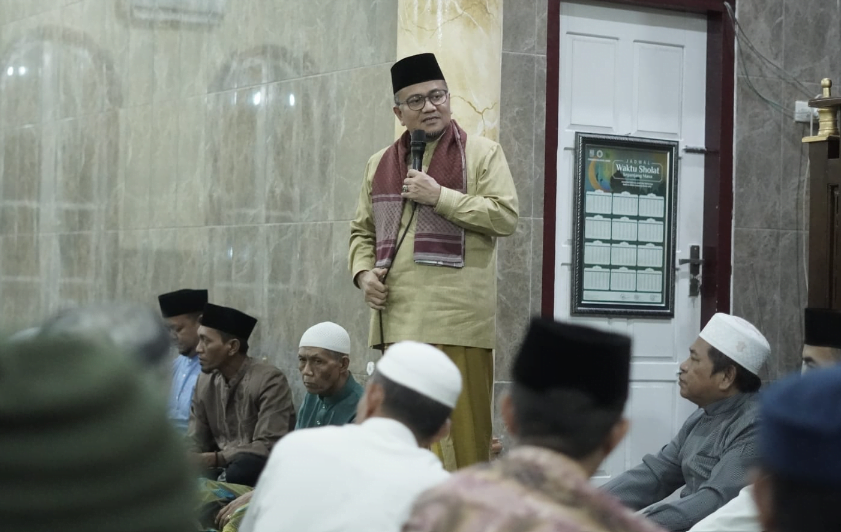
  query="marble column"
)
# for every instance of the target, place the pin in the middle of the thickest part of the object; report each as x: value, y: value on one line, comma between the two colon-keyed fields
x: 466, y: 37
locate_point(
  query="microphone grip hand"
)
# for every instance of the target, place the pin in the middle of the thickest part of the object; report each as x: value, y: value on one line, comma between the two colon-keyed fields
x: 421, y: 188
x: 373, y: 288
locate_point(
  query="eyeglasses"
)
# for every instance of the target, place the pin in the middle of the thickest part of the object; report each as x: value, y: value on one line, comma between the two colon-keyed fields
x: 418, y: 101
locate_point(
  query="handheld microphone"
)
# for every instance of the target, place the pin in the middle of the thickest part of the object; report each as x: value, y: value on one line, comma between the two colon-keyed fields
x: 418, y: 146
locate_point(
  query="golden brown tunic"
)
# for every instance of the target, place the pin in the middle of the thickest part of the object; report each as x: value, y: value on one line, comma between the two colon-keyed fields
x: 434, y: 304
x: 247, y: 414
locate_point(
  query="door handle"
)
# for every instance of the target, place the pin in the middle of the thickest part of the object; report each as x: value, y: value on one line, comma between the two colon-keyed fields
x: 695, y: 262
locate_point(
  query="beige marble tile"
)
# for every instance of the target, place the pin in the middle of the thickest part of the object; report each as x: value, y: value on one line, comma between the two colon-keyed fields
x: 113, y: 183
x: 76, y: 269
x: 235, y: 156
x: 220, y: 50
x: 84, y: 70
x: 138, y: 67
x: 21, y: 83
x: 167, y: 62
x: 78, y: 169
x: 133, y: 258
x: 135, y: 153
x: 272, y: 48
x: 355, y: 125
x: 301, y: 159
x: 317, y: 24
x: 163, y: 177
x: 21, y: 206
x: 21, y: 267
x: 192, y: 192
x: 237, y: 262
x: 514, y: 267
x: 474, y: 30
x: 115, y: 44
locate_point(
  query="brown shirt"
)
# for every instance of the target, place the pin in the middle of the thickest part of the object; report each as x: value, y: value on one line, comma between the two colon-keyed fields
x: 247, y: 414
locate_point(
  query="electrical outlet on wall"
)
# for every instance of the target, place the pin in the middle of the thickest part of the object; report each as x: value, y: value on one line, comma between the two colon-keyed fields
x: 804, y: 113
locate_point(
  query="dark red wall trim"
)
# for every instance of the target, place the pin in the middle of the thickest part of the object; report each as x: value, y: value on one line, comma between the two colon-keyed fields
x: 718, y: 164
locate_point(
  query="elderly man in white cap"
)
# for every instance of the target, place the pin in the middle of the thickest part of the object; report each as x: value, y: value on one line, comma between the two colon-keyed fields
x: 332, y: 392
x: 364, y: 477
x: 711, y: 454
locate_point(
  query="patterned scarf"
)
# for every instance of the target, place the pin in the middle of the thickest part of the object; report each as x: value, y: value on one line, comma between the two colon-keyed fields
x: 438, y: 241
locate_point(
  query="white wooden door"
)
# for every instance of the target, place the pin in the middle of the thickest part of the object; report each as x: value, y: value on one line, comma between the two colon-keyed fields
x: 637, y: 72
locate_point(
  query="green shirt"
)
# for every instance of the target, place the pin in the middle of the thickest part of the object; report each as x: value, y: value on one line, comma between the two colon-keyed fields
x: 339, y: 409
x: 435, y: 304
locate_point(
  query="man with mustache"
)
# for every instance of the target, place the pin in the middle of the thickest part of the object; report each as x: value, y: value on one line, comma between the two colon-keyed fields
x: 332, y: 392
x: 432, y: 233
x: 241, y: 407
x: 712, y: 452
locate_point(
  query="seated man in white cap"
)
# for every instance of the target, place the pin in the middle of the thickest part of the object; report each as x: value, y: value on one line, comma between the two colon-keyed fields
x: 332, y: 392
x: 821, y: 349
x: 332, y: 397
x: 565, y: 409
x: 712, y: 452
x: 364, y: 477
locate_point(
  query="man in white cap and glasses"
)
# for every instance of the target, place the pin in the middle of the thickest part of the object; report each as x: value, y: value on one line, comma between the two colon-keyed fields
x: 712, y: 452
x: 332, y: 392
x: 366, y: 476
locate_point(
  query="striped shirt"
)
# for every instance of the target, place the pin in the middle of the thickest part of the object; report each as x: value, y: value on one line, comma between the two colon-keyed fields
x: 710, y: 457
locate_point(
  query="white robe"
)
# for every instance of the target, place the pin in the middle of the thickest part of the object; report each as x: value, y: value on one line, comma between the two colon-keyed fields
x: 350, y: 478
x: 738, y: 515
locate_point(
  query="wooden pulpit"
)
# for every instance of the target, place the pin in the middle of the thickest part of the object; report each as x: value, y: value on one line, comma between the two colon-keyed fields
x: 825, y: 204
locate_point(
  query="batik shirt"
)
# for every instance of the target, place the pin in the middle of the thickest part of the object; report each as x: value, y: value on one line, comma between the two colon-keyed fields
x: 531, y: 490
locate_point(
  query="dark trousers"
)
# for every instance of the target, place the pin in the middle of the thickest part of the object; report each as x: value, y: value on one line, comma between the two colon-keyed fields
x: 245, y: 469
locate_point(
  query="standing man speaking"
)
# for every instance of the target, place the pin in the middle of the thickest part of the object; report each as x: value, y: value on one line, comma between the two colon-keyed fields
x: 423, y: 245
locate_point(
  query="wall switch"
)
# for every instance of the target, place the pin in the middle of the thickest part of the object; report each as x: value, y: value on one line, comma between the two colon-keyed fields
x: 804, y: 113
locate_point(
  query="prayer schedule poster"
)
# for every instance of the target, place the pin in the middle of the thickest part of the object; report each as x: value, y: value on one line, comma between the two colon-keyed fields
x: 623, y: 261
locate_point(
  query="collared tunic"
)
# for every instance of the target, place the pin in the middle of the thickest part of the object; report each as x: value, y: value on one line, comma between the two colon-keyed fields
x: 738, y: 515
x: 531, y: 490
x: 185, y: 373
x: 435, y: 304
x: 338, y: 409
x: 247, y: 414
x: 353, y: 478
x: 710, y: 456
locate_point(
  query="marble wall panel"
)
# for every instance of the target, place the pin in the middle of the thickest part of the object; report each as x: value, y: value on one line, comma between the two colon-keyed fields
x: 517, y: 121
x: 22, y: 208
x: 23, y: 268
x: 519, y: 28
x: 235, y: 156
x: 301, y: 154
x: 361, y: 127
x: 136, y: 160
x: 794, y: 200
x: 163, y: 171
x: 757, y: 274
x: 812, y: 28
x: 514, y: 255
x: 191, y: 191
x: 77, y: 271
x: 793, y: 299
x: 762, y: 22
x: 758, y: 168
